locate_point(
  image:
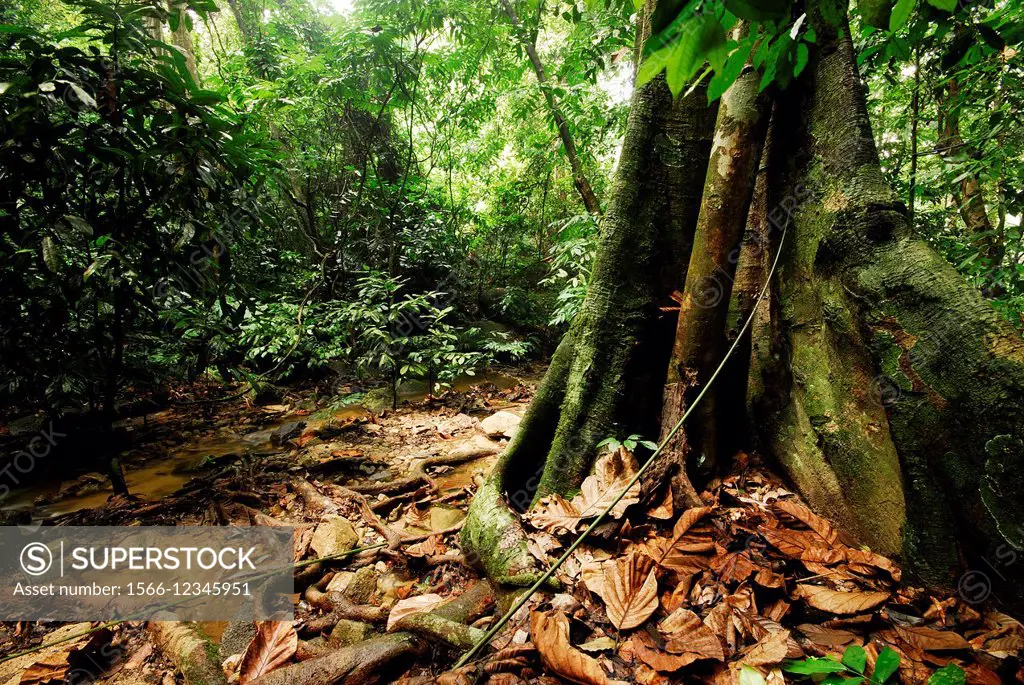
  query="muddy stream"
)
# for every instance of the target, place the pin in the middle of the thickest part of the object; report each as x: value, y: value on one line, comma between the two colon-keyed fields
x: 157, y: 477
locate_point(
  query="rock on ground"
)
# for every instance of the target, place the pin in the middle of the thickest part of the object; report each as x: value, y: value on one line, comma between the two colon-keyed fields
x: 501, y: 424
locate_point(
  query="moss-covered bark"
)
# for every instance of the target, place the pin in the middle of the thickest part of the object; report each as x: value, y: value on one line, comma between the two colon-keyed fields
x: 891, y: 351
x: 606, y: 377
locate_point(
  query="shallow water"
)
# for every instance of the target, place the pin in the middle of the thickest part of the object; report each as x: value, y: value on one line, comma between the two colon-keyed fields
x: 160, y: 477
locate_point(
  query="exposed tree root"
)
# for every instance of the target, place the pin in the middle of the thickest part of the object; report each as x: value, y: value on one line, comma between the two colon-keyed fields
x: 418, y: 475
x: 194, y: 655
x: 319, y: 504
x: 494, y: 538
x: 342, y: 608
x: 393, y: 537
x: 375, y: 660
x: 365, y: 662
x: 437, y: 629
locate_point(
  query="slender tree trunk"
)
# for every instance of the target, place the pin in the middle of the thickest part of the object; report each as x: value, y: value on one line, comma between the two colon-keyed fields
x: 607, y: 375
x: 182, y: 37
x: 586, y: 192
x: 915, y: 118
x: 243, y: 20
x: 897, y: 364
x: 967, y: 193
x: 700, y: 339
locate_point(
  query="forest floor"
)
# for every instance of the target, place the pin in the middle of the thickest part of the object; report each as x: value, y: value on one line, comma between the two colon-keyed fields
x: 752, y: 582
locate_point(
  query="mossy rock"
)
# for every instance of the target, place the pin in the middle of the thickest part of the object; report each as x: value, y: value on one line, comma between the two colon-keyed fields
x: 378, y: 400
x: 348, y: 632
x: 362, y: 586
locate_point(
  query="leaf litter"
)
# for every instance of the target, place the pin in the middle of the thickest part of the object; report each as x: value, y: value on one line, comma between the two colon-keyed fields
x: 751, y: 587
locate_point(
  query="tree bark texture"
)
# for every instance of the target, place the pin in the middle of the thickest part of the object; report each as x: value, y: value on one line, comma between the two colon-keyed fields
x: 181, y: 37
x: 895, y: 363
x: 606, y: 377
x: 700, y: 340
x: 967, y: 193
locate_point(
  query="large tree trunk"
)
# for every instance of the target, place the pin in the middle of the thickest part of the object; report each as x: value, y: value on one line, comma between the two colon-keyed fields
x: 700, y: 339
x: 895, y: 360
x: 579, y: 176
x: 607, y: 375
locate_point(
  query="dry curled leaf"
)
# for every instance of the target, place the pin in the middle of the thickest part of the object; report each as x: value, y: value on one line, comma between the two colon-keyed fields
x: 629, y: 590
x: 819, y: 525
x: 687, y: 634
x: 674, y: 552
x: 612, y: 474
x: 52, y: 669
x: 658, y: 659
x: 421, y: 604
x: 828, y: 637
x: 77, y: 659
x: 555, y: 514
x: 836, y: 602
x: 770, y: 650
x: 275, y: 643
x: 550, y: 633
x: 929, y: 639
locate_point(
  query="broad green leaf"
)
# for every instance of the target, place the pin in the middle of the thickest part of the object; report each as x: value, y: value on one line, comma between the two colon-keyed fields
x: 726, y: 76
x: 856, y: 658
x: 886, y: 664
x: 947, y: 5
x: 813, y: 666
x: 51, y: 255
x: 701, y: 38
x: 950, y: 674
x: 751, y: 676
x: 900, y: 14
x: 79, y: 224
x: 653, y: 65
x: 803, y: 55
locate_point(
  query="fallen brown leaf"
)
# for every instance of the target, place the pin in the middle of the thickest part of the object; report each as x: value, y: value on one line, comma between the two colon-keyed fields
x: 828, y: 637
x: 687, y: 634
x: 420, y: 604
x: 612, y: 473
x: 275, y: 643
x: 550, y: 633
x: 672, y: 553
x: 555, y: 514
x: 929, y: 639
x: 658, y: 659
x: 819, y: 525
x: 52, y: 669
x: 836, y: 602
x: 630, y: 591
x: 770, y: 650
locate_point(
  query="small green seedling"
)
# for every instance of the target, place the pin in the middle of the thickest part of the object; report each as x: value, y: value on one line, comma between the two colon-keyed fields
x: 852, y: 669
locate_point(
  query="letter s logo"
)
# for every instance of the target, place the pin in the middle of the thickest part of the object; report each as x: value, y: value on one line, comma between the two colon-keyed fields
x: 36, y: 559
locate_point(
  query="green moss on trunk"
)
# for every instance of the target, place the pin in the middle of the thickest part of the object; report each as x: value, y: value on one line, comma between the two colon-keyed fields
x: 875, y: 319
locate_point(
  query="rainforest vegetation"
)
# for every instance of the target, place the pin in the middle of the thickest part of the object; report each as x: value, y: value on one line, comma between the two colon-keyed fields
x: 608, y: 341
